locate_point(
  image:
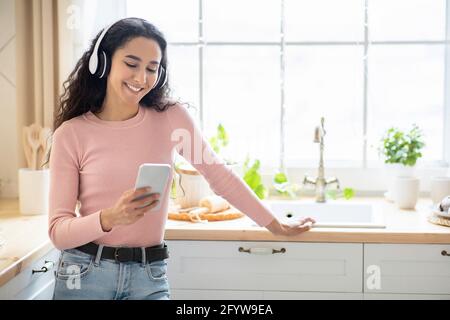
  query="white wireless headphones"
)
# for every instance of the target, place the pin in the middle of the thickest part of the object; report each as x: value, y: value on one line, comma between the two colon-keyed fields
x: 98, y: 63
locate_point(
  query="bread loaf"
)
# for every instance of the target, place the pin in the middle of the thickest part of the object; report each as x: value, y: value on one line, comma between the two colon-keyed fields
x: 214, y: 203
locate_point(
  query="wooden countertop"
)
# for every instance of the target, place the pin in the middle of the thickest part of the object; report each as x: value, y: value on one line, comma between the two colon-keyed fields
x: 26, y: 238
x: 402, y: 226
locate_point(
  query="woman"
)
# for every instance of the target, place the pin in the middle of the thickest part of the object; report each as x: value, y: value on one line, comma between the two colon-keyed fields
x: 114, y: 115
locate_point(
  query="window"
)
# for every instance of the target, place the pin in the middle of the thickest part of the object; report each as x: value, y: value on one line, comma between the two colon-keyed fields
x: 269, y: 69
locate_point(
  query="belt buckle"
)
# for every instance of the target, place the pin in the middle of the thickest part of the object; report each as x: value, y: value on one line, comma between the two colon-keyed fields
x: 125, y: 256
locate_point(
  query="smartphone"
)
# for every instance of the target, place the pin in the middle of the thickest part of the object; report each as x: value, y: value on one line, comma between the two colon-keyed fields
x: 153, y: 175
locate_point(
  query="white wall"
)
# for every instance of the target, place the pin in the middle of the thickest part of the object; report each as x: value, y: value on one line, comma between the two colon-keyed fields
x: 8, y: 127
x: 105, y: 12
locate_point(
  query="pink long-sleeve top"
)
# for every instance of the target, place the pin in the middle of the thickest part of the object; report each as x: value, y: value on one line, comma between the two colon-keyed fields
x: 94, y: 161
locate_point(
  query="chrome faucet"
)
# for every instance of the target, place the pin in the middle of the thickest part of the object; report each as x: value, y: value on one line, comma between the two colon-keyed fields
x: 320, y: 182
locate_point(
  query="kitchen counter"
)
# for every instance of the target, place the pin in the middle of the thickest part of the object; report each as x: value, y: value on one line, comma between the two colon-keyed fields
x: 402, y: 226
x: 26, y: 238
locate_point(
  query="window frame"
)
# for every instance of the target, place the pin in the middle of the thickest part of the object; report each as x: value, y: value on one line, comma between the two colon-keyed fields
x: 348, y: 171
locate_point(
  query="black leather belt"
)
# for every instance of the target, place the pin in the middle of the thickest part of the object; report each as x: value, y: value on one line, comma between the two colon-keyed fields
x: 125, y: 254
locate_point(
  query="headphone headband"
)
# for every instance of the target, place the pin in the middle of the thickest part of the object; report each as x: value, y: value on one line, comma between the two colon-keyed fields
x: 94, y: 61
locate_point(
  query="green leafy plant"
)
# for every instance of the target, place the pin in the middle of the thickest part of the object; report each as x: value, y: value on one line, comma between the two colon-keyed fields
x: 218, y: 143
x: 347, y: 194
x: 253, y: 178
x: 400, y: 147
x: 284, y: 187
x: 220, y: 139
x: 173, y: 189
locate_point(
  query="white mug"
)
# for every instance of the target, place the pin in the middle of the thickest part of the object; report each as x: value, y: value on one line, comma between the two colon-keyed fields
x: 439, y: 188
x: 406, y: 192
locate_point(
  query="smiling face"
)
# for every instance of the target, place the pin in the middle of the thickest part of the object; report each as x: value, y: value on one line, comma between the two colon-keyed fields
x: 134, y: 71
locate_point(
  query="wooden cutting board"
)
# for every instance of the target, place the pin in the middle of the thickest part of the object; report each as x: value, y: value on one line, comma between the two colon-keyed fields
x: 438, y: 220
x: 228, y: 214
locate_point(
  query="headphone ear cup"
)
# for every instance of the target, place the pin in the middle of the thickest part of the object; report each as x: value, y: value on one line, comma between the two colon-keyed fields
x: 102, y: 65
x: 162, y: 78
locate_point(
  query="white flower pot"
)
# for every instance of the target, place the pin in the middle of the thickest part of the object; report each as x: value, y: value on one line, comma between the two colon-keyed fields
x: 34, y: 186
x: 394, y: 170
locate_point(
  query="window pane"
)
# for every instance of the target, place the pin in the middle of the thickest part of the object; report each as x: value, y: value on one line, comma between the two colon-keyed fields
x: 241, y: 91
x: 324, y: 20
x: 324, y: 81
x: 406, y: 86
x: 237, y: 20
x: 407, y: 19
x: 180, y: 24
x: 184, y: 73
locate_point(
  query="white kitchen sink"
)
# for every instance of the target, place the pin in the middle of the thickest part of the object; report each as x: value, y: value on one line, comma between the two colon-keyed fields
x: 331, y: 214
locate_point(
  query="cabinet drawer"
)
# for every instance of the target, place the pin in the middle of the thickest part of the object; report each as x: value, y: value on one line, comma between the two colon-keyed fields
x: 226, y: 265
x: 28, y: 285
x: 407, y: 268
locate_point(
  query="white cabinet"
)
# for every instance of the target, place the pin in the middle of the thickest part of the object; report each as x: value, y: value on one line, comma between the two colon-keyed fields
x: 298, y: 270
x: 253, y: 270
x: 220, y: 268
x: 407, y: 269
x: 29, y: 285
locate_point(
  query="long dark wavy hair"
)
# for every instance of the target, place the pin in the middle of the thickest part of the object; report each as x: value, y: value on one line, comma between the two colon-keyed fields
x: 85, y: 92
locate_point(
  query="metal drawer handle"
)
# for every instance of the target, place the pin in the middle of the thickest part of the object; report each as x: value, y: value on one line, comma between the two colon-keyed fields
x: 445, y: 253
x: 262, y: 251
x: 47, y: 266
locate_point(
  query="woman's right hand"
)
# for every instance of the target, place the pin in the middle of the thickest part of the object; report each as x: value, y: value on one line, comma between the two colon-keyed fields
x: 126, y: 210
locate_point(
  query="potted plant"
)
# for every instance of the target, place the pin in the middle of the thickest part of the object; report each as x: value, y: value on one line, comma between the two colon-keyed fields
x: 400, y: 151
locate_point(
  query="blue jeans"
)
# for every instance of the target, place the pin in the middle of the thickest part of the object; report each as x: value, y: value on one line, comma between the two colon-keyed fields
x: 82, y: 276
